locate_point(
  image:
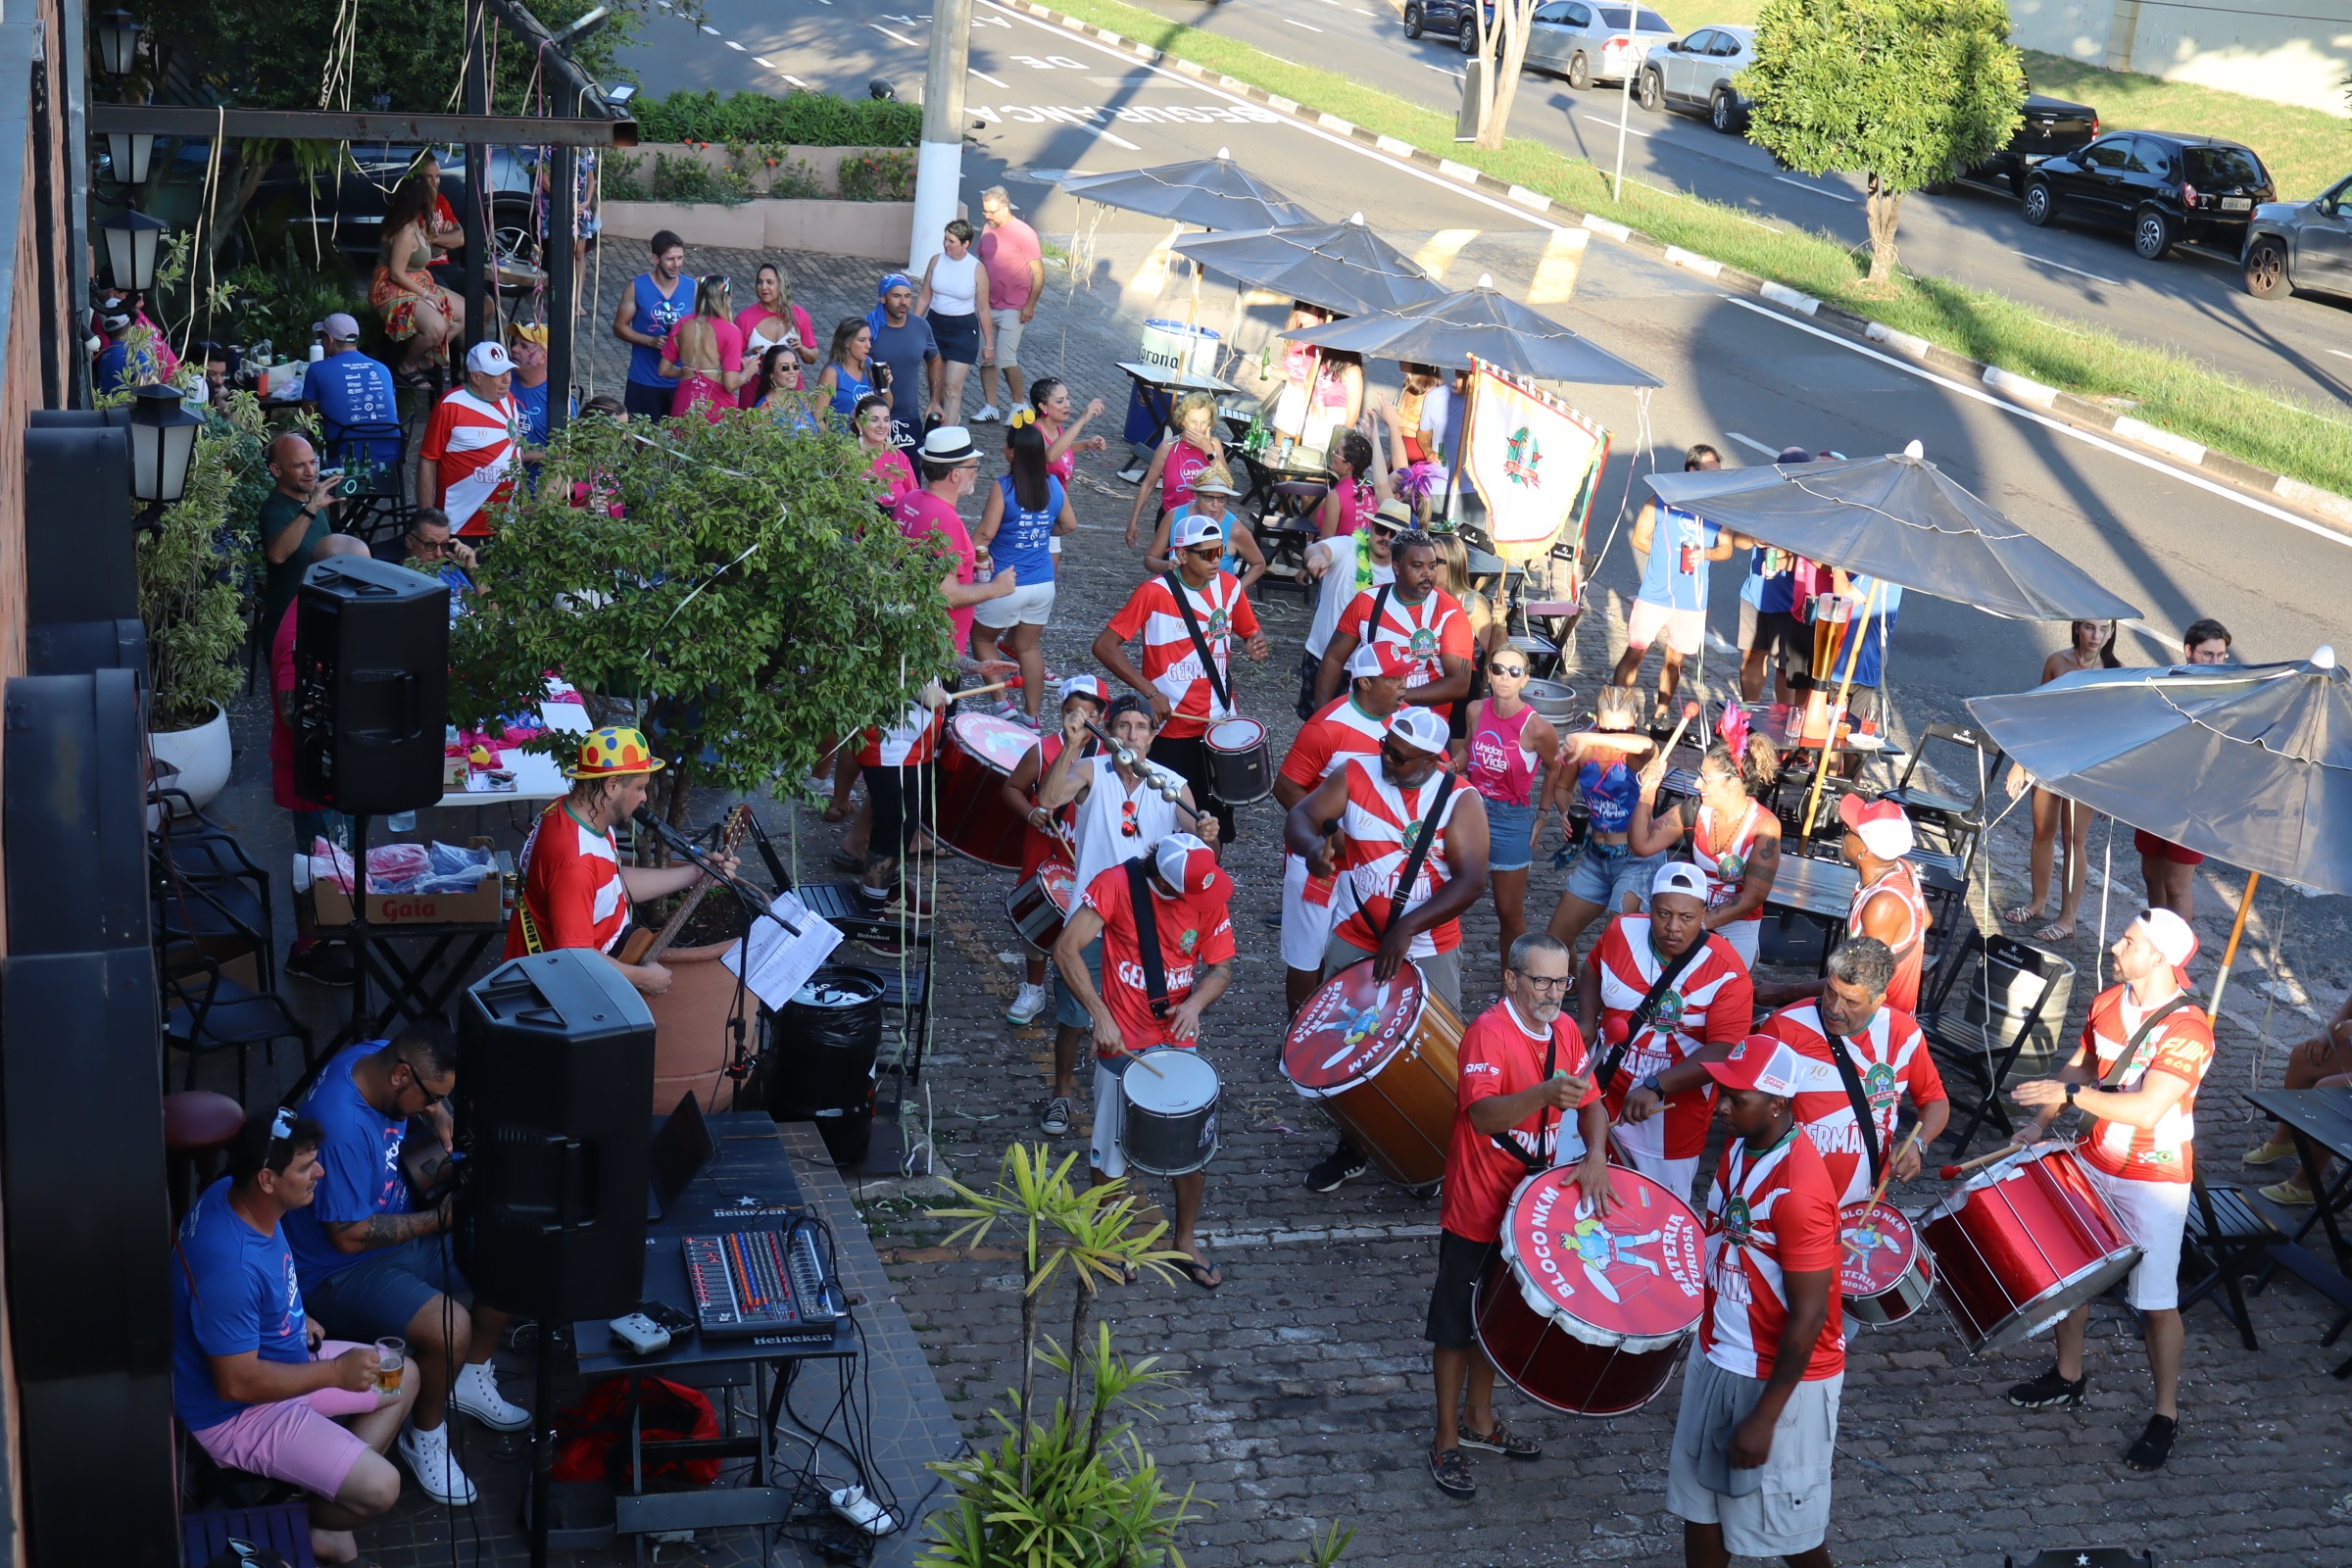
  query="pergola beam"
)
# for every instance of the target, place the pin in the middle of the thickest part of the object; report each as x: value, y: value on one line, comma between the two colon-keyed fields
x: 497, y: 130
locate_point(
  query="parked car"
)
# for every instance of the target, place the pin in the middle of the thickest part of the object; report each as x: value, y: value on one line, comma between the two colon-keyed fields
x: 2301, y: 245
x: 1589, y: 43
x: 1447, y: 19
x: 1694, y: 73
x: 2051, y: 129
x: 2160, y: 185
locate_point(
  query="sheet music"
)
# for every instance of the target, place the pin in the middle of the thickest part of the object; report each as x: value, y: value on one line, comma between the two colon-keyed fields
x: 787, y: 945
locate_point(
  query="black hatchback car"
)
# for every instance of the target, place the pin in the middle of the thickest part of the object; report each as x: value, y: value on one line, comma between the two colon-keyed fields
x: 2160, y: 186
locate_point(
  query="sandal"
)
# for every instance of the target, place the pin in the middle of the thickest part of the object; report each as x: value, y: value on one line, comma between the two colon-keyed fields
x: 2021, y: 914
x: 2051, y: 933
x: 840, y: 812
x: 2155, y: 1444
x: 1198, y: 1272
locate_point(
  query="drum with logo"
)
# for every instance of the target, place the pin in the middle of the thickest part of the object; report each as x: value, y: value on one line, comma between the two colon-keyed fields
x: 981, y: 753
x: 1240, y: 766
x: 1038, y: 906
x: 1589, y: 1312
x: 1383, y: 1061
x: 1884, y: 1273
x: 1168, y: 1126
x: 2021, y: 1244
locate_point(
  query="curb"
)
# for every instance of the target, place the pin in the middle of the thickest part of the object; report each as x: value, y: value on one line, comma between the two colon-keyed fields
x: 2323, y: 506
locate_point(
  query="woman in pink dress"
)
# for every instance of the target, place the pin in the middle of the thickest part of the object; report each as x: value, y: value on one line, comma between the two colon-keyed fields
x: 1513, y: 755
x: 704, y: 355
x: 771, y: 319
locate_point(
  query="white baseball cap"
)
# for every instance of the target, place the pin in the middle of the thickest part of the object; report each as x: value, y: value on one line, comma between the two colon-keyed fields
x: 1194, y: 530
x: 2172, y: 936
x: 488, y: 358
x: 1680, y: 876
x: 1420, y: 726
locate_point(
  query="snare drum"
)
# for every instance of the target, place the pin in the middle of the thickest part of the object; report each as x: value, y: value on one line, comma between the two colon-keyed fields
x: 1169, y: 1124
x: 1240, y: 766
x: 2021, y: 1246
x: 1883, y: 1274
x: 1039, y: 906
x: 1589, y: 1313
x: 981, y: 753
x: 1383, y: 1063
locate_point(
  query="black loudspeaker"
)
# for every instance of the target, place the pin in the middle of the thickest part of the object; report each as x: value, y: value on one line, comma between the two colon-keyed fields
x: 75, y: 815
x: 370, y: 686
x: 78, y: 529
x: 554, y: 1095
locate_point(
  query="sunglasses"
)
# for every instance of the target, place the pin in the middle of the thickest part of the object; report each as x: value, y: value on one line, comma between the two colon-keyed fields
x: 281, y: 1128
x: 1206, y: 552
x: 1514, y: 671
x: 1128, y: 826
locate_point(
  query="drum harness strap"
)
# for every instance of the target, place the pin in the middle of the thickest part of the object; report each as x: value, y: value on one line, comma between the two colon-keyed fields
x: 1420, y: 852
x: 1535, y: 1163
x: 1146, y: 936
x: 1645, y: 1009
x: 2112, y: 1082
x: 1864, y: 1120
x: 1192, y: 623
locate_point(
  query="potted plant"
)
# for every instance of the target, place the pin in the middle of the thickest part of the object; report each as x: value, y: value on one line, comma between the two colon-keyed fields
x: 193, y: 569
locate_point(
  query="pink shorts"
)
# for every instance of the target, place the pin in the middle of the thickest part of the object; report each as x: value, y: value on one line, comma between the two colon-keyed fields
x: 1684, y: 629
x: 296, y: 1440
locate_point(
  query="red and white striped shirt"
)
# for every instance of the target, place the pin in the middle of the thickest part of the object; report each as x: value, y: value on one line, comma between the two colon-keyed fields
x: 1902, y: 885
x: 1171, y: 663
x: 1890, y: 1057
x: 1712, y: 1003
x: 1769, y: 1215
x: 571, y: 888
x: 1435, y: 626
x: 1341, y: 730
x: 1380, y: 824
x: 2182, y: 1046
x: 913, y: 740
x: 472, y: 444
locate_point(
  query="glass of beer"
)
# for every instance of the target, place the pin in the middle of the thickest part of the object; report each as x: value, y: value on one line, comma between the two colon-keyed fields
x: 391, y: 1363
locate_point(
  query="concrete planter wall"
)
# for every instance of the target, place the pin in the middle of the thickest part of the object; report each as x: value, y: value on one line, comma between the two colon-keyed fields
x: 880, y: 231
x: 824, y: 163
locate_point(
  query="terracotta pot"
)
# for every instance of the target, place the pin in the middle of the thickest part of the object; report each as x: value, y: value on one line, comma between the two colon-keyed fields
x: 691, y: 1040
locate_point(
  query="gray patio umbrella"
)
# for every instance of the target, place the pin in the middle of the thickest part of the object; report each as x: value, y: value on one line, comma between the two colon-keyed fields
x: 2250, y: 763
x: 1904, y: 521
x: 1484, y: 322
x: 1206, y: 192
x: 1341, y: 267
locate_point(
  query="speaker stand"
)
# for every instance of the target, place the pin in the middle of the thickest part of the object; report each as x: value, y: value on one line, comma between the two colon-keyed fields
x: 542, y: 1439
x: 361, y: 1026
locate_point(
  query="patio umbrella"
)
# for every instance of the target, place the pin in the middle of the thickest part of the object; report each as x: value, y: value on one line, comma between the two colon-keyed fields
x: 1206, y: 192
x: 1485, y: 323
x: 2249, y: 763
x: 1341, y: 267
x: 1904, y: 521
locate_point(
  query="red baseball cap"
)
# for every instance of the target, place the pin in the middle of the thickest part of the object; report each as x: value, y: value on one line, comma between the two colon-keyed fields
x: 1380, y: 659
x: 1881, y: 826
x: 1759, y: 1063
x: 1188, y: 864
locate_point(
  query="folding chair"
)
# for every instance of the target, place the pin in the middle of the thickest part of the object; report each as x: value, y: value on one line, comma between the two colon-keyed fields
x: 373, y: 458
x: 2225, y: 1234
x: 1959, y: 823
x: 206, y: 1012
x: 224, y: 920
x: 2019, y: 995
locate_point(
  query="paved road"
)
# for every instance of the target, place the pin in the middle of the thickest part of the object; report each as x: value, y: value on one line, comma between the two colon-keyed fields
x: 2191, y: 302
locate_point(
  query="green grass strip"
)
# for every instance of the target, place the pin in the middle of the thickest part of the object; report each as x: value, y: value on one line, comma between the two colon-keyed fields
x: 2264, y: 427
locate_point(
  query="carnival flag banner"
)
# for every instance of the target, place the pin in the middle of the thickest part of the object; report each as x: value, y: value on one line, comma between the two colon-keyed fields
x: 1536, y: 462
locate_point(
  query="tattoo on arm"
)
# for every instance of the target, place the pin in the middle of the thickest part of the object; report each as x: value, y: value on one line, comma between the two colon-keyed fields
x: 390, y: 1230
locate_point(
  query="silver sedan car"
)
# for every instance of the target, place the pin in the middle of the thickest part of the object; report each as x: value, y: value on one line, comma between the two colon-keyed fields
x: 1593, y: 42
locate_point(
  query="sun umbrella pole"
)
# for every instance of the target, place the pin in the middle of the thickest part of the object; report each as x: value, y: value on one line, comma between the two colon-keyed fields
x: 1460, y: 430
x: 2221, y: 981
x: 1846, y: 687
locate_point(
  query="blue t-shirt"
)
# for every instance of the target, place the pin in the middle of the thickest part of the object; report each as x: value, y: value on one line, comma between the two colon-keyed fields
x: 654, y: 315
x: 1878, y: 631
x: 1610, y: 790
x: 233, y: 1290
x: 532, y: 401
x: 113, y: 369
x: 1229, y: 562
x: 359, y: 1166
x: 351, y: 389
x: 906, y: 349
x: 1677, y: 575
x: 1021, y: 537
x: 1771, y: 581
x: 847, y: 390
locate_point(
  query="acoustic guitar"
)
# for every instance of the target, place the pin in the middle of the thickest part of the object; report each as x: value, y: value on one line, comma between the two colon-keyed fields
x: 646, y: 947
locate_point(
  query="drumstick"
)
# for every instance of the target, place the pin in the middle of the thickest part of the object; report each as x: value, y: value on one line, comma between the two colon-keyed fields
x: 1146, y: 1066
x: 1690, y: 711
x: 983, y: 691
x: 1909, y: 1138
x: 1950, y: 1171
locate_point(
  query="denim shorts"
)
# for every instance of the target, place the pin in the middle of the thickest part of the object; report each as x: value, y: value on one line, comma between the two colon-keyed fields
x: 1510, y: 836
x: 1605, y: 879
x: 384, y: 1291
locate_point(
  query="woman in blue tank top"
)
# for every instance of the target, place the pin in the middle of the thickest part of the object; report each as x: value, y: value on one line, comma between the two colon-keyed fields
x: 1024, y: 511
x: 848, y: 375
x: 1604, y: 770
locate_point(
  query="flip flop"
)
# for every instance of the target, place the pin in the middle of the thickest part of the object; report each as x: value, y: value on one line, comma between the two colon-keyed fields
x: 2051, y: 933
x: 2020, y: 915
x: 1198, y: 1273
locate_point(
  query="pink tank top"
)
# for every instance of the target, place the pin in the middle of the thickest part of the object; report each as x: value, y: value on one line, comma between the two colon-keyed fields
x: 1065, y: 467
x: 1502, y: 768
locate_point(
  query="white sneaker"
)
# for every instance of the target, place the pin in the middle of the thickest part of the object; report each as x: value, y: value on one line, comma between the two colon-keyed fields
x: 1027, y: 1005
x: 476, y: 1395
x: 436, y: 1469
x: 988, y: 415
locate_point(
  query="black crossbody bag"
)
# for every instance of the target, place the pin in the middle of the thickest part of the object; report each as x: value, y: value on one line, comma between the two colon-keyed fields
x: 1534, y: 1162
x: 2110, y: 1082
x: 1644, y: 1010
x: 1419, y: 853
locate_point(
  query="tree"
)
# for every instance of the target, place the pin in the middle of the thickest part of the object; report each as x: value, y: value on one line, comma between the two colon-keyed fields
x: 748, y: 607
x: 1905, y: 93
x: 1501, y: 38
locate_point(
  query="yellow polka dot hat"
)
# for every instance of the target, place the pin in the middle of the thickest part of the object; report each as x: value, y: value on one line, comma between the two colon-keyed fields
x: 613, y: 751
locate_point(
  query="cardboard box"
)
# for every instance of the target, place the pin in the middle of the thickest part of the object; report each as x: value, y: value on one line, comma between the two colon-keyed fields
x: 485, y: 905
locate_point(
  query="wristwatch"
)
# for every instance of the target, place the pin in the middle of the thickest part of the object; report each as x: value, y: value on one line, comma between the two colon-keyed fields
x: 1650, y: 1083
x: 2072, y: 1090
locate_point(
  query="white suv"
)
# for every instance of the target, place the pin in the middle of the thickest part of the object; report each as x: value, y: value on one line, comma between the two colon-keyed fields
x: 1695, y: 75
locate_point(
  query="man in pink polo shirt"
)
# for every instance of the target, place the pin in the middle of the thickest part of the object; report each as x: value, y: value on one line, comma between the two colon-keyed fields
x: 1015, y: 263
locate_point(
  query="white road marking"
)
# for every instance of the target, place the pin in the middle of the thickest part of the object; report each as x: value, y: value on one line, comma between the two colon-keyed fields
x: 2044, y: 261
x: 1118, y: 141
x: 1976, y: 394
x: 1752, y: 444
x: 2341, y: 353
x: 1308, y: 25
x: 738, y: 48
x: 706, y: 27
x: 1607, y: 123
x: 991, y: 81
x: 795, y: 80
x: 757, y: 60
x: 887, y: 33
x: 1806, y: 184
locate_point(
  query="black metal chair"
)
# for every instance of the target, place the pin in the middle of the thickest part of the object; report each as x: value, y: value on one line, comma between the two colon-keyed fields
x: 195, y: 846
x: 1285, y: 542
x: 374, y: 499
x: 1982, y: 1051
x: 2225, y: 1237
x: 205, y: 1012
x: 224, y: 920
x: 1958, y: 822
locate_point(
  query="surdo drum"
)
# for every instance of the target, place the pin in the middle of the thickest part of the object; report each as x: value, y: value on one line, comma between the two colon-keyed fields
x: 981, y: 753
x: 1039, y: 906
x: 2021, y: 1244
x: 1383, y: 1061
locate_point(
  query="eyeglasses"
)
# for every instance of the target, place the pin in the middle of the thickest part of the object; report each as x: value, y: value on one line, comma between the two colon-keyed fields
x: 1540, y: 982
x: 417, y: 1082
